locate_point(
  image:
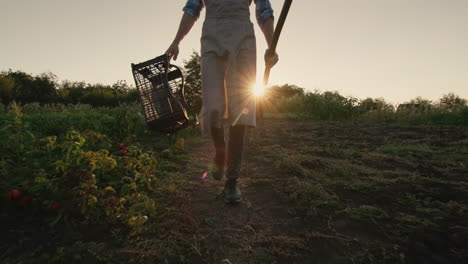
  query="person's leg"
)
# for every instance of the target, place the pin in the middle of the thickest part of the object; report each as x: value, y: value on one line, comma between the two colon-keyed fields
x: 234, y: 161
x: 217, y: 135
x: 240, y: 79
x: 213, y: 107
x: 235, y: 150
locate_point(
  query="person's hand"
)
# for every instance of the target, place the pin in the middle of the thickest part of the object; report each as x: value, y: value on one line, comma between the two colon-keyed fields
x: 271, y: 59
x: 173, y: 51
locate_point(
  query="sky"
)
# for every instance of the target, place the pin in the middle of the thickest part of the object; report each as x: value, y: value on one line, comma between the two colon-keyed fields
x: 394, y: 49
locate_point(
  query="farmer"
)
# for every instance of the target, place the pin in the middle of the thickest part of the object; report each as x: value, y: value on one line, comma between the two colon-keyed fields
x: 228, y: 69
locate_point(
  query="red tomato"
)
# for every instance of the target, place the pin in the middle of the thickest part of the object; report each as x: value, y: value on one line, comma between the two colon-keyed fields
x: 15, y: 194
x: 123, y: 152
x: 55, y: 207
x: 122, y: 146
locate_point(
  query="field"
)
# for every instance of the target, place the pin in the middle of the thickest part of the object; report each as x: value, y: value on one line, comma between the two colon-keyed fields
x: 340, y: 192
x: 314, y: 192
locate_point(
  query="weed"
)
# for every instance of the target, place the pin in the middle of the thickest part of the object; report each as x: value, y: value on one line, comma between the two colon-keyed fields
x: 290, y: 164
x: 406, y: 150
x: 366, y: 213
x: 412, y: 222
x: 311, y: 196
x: 361, y: 186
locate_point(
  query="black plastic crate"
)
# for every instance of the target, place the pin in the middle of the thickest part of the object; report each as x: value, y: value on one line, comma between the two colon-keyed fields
x: 160, y: 86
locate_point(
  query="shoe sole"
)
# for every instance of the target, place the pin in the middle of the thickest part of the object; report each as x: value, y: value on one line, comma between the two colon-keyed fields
x: 228, y: 201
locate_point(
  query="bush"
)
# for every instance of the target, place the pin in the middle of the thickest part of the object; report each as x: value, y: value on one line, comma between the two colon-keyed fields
x: 452, y: 103
x: 6, y: 89
x: 316, y: 105
x: 44, y: 89
x: 294, y: 103
x: 97, y: 95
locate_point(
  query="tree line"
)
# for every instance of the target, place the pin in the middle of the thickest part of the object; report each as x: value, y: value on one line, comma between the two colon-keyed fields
x: 25, y: 88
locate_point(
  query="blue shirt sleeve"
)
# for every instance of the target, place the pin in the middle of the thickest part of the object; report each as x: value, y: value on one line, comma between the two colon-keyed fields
x: 263, y: 11
x: 193, y: 8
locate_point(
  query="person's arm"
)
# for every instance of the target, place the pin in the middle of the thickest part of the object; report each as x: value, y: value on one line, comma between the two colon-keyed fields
x: 191, y: 13
x: 186, y: 24
x: 265, y: 19
x: 268, y: 30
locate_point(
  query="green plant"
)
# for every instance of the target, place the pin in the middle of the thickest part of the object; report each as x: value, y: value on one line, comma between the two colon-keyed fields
x: 366, y: 213
x: 79, y: 179
x: 405, y: 150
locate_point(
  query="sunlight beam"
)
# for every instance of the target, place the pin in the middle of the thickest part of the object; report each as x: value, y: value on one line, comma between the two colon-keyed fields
x: 258, y: 90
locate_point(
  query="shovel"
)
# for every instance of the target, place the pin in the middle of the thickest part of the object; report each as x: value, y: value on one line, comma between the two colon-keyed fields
x: 272, y: 50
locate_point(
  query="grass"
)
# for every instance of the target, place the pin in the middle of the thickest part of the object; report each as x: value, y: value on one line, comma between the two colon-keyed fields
x: 406, y: 150
x: 399, y: 188
x: 366, y: 213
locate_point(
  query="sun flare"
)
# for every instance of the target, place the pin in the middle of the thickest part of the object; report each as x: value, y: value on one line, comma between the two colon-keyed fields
x: 258, y: 90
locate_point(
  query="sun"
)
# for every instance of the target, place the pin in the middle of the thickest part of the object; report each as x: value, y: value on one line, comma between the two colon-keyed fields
x: 258, y: 90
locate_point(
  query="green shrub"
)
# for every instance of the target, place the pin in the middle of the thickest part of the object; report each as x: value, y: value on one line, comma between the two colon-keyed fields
x: 316, y: 105
x: 57, y: 119
x: 25, y: 88
x: 292, y: 102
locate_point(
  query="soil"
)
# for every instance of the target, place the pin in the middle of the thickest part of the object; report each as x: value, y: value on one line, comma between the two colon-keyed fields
x: 355, y: 164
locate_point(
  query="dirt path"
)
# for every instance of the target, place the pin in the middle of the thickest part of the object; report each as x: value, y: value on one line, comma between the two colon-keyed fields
x: 258, y: 230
